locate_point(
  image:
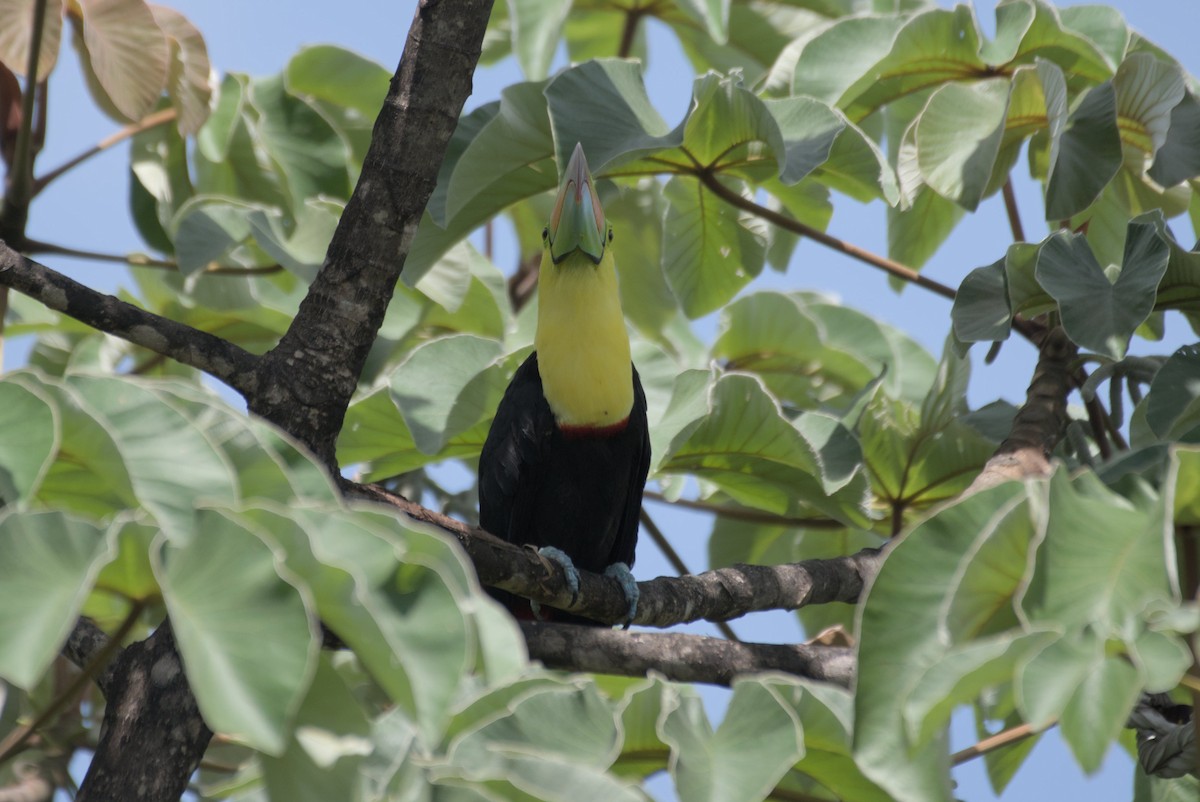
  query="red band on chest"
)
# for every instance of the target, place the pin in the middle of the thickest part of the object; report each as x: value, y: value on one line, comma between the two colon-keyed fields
x: 579, y: 432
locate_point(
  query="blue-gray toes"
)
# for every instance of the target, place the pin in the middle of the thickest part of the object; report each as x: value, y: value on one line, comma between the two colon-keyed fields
x: 559, y: 556
x: 621, y: 573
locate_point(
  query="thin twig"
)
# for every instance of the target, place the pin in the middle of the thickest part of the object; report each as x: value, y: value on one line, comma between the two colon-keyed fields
x: 212, y: 354
x: 678, y: 564
x: 629, y: 32
x: 17, y: 737
x: 1014, y: 216
x: 32, y: 246
x: 990, y: 744
x: 746, y: 515
x: 20, y: 180
x: 889, y: 266
x: 154, y: 120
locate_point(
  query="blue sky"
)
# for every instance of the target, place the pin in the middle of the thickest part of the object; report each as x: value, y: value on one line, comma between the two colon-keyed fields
x: 88, y: 210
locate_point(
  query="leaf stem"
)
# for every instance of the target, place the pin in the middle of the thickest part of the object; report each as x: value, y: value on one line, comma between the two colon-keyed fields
x: 889, y: 266
x: 678, y: 564
x: 990, y: 744
x: 140, y: 260
x: 1014, y: 216
x: 154, y: 120
x: 747, y: 515
x: 12, y: 744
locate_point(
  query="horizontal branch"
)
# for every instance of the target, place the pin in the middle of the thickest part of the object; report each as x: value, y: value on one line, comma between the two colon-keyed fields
x: 213, y: 355
x: 680, y: 657
x: 717, y: 595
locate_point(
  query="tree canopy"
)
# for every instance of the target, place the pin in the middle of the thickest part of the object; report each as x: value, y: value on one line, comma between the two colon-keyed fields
x: 290, y: 601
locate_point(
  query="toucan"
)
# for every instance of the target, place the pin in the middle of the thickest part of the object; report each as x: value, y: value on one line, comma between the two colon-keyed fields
x: 565, y: 461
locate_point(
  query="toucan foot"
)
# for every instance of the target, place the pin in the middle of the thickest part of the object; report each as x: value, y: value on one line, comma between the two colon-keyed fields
x: 559, y: 556
x: 621, y: 573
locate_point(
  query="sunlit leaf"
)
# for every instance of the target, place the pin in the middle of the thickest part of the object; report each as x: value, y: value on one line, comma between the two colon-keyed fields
x: 48, y: 561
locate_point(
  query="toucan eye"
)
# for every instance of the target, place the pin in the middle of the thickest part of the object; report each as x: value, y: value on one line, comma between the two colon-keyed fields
x: 545, y: 234
x: 610, y: 235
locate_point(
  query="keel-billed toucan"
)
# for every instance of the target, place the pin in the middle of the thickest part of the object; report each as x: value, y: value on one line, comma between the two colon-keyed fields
x: 565, y: 461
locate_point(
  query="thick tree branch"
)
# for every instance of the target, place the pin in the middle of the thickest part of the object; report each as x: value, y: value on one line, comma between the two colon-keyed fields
x: 718, y: 595
x: 213, y: 355
x: 153, y: 735
x: 307, y: 380
x: 681, y: 658
x: 1041, y: 421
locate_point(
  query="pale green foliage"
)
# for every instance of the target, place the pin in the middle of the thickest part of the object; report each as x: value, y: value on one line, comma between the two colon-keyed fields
x: 1046, y: 602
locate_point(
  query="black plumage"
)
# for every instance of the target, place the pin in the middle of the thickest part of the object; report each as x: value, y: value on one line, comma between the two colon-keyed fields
x: 580, y: 492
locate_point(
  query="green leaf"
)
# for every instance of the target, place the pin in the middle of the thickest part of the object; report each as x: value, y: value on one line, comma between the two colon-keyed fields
x: 324, y: 754
x: 827, y: 714
x: 394, y: 595
x: 636, y: 216
x: 306, y: 153
x: 31, y: 429
x: 1104, y: 560
x: 15, y: 36
x: 842, y: 53
x: 48, y: 561
x: 710, y: 250
x: 1030, y: 31
x: 603, y: 105
x: 1085, y: 156
x: 934, y: 47
x: 1099, y: 709
x: 643, y: 750
x: 916, y: 233
x: 920, y: 457
x: 188, y: 76
x: 757, y: 742
x: 981, y: 311
x: 901, y: 637
x: 509, y: 159
x: 158, y: 161
x: 210, y: 230
x: 154, y: 439
x: 238, y: 693
x: 128, y: 53
x: 958, y: 138
x: 1147, y: 91
x: 1173, y: 404
x: 1178, y: 158
x: 334, y: 75
x: 733, y: 435
x: 1098, y: 312
x: 714, y: 14
x: 536, y: 28
x: 447, y: 386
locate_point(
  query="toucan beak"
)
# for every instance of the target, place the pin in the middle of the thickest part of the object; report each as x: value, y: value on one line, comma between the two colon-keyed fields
x: 578, y: 220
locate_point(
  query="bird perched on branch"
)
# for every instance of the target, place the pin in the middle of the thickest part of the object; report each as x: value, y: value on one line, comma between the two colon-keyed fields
x: 565, y: 461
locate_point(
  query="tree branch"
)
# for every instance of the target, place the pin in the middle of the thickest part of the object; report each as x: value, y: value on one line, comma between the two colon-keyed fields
x: 15, y: 212
x: 1041, y: 421
x: 308, y: 379
x: 213, y: 355
x: 153, y: 734
x: 717, y: 595
x: 145, y: 124
x: 681, y: 658
x: 677, y: 562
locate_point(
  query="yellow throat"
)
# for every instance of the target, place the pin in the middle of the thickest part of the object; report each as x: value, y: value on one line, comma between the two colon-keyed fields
x: 582, y: 347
